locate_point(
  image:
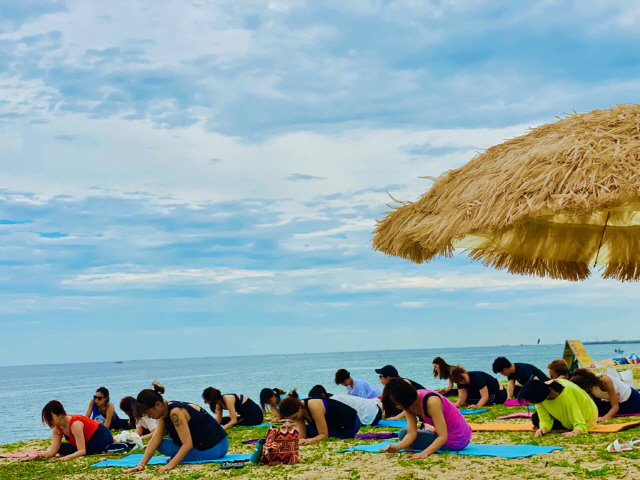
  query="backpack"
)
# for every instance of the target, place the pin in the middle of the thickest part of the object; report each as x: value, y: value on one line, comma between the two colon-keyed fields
x: 281, y: 445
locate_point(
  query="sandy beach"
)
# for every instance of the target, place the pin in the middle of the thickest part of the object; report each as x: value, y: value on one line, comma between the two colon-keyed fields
x: 582, y: 457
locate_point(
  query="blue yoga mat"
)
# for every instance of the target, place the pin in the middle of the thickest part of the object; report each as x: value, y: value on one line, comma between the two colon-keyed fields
x: 476, y: 450
x: 473, y: 411
x: 132, y: 460
x: 391, y: 424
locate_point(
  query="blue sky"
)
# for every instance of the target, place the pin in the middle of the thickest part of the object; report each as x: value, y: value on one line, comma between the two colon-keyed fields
x: 185, y: 179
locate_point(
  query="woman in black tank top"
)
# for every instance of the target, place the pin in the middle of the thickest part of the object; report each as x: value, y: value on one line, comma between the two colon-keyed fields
x: 194, y: 434
x: 242, y: 410
x: 320, y: 418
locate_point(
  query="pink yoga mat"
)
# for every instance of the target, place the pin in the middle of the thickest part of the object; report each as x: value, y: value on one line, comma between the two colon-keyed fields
x: 513, y: 403
x: 20, y: 455
x: 517, y: 415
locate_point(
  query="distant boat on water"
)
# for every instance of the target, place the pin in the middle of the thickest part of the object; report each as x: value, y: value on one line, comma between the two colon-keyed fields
x: 618, y: 350
x: 119, y: 361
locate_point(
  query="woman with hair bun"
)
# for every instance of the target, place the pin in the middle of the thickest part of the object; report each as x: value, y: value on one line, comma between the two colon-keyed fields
x: 237, y: 405
x: 194, y: 434
x: 269, y: 402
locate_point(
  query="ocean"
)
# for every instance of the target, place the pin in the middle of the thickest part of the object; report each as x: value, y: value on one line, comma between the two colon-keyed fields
x: 24, y: 390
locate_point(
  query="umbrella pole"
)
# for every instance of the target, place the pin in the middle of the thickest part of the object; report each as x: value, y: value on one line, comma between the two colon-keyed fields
x: 601, y: 238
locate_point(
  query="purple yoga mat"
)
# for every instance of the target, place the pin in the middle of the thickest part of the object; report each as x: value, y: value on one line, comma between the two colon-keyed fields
x: 377, y: 435
x: 361, y: 436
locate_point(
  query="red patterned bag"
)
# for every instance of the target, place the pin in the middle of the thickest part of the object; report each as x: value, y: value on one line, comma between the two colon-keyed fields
x: 281, y: 445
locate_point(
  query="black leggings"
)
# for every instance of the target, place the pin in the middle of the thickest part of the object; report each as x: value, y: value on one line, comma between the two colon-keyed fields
x: 495, y: 399
x: 251, y: 415
x: 535, y: 419
x: 119, y: 424
x: 97, y: 444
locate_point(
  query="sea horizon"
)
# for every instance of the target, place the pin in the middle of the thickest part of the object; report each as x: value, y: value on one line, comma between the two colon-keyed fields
x: 122, y: 360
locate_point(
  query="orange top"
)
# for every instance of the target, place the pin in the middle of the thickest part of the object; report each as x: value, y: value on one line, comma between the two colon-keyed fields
x: 89, y: 427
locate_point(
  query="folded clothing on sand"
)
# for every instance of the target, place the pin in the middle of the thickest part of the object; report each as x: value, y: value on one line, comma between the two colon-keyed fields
x: 502, y: 451
x: 132, y: 460
x: 522, y: 427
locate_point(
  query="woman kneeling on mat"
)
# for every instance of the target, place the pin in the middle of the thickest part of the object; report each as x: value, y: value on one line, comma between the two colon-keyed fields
x: 194, y: 434
x: 84, y: 436
x: 237, y: 405
x: 611, y: 395
x: 449, y: 428
x: 269, y: 401
x: 477, y: 389
x: 560, y: 405
x: 320, y: 418
x: 442, y: 371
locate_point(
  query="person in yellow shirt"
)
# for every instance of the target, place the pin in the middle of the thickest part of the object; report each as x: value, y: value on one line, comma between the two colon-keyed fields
x: 560, y: 404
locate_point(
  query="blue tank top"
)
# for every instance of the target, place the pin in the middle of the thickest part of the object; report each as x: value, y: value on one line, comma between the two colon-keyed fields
x: 100, y: 418
x: 205, y: 431
x: 97, y: 416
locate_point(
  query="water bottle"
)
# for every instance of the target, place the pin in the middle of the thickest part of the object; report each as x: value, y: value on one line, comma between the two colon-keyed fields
x: 257, y: 452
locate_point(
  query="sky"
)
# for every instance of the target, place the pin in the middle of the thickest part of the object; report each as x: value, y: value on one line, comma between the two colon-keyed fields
x: 188, y: 179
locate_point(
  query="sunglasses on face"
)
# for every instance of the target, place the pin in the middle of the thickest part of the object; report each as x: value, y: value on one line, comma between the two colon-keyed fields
x: 96, y: 397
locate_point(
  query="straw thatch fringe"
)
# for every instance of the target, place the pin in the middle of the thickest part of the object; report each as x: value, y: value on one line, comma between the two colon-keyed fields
x: 578, y: 165
x: 560, y: 270
x: 625, y: 272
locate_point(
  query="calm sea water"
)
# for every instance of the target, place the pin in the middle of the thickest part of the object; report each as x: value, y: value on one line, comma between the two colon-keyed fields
x: 25, y: 390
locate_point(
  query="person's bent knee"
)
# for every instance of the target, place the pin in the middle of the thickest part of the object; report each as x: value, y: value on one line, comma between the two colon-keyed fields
x: 402, y: 433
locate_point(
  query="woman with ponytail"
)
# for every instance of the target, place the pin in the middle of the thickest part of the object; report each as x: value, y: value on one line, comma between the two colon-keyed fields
x: 270, y: 401
x: 194, y: 434
x: 242, y: 410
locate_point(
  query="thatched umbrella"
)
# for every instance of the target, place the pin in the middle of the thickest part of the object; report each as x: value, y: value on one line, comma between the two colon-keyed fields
x: 553, y: 202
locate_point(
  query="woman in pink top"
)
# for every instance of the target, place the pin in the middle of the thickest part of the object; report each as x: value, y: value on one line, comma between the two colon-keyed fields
x: 447, y: 427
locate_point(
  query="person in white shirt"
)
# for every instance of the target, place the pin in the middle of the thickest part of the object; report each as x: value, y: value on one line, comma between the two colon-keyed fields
x: 356, y: 386
x: 369, y: 409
